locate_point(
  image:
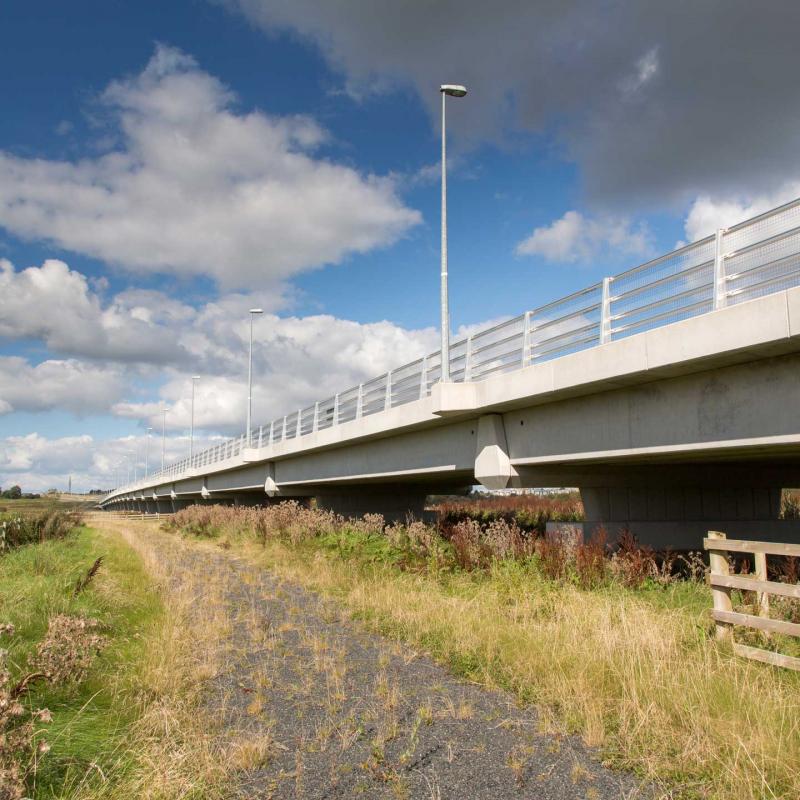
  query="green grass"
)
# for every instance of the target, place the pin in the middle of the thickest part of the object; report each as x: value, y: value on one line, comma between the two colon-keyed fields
x: 91, y: 719
x: 37, y: 504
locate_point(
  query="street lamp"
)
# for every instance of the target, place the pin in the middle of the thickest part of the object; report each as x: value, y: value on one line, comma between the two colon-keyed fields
x: 195, y: 378
x: 163, y: 436
x: 147, y: 451
x: 253, y: 312
x: 451, y: 90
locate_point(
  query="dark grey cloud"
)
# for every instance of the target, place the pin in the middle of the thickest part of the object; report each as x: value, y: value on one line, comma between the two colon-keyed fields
x: 657, y: 101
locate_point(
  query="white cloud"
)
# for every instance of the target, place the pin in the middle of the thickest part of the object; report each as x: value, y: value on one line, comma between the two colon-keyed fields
x: 706, y: 118
x: 575, y: 238
x: 70, y: 385
x: 646, y: 69
x: 707, y: 214
x: 296, y: 361
x: 197, y: 187
x: 54, y: 304
x: 144, y: 337
x: 38, y: 463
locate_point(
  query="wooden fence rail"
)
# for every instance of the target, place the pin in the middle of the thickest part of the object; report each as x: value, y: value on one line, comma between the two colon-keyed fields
x: 722, y: 582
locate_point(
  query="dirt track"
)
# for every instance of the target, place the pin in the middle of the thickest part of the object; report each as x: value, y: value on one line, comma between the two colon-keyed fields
x: 332, y: 711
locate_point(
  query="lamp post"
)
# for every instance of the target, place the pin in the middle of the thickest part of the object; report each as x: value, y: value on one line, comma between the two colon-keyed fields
x: 195, y: 378
x: 447, y: 90
x: 163, y: 436
x: 147, y: 451
x: 253, y: 312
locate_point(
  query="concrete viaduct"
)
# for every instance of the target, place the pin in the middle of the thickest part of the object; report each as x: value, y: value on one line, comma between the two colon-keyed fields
x: 670, y: 431
x: 668, y: 394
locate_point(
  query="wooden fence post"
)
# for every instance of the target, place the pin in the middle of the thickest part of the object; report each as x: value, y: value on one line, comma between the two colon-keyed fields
x: 762, y: 598
x: 721, y: 595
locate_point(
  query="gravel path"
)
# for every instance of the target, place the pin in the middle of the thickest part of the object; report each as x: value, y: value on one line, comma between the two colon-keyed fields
x: 329, y: 710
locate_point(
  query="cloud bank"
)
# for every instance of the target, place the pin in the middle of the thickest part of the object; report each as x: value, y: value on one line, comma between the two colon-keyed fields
x: 196, y: 186
x: 653, y: 102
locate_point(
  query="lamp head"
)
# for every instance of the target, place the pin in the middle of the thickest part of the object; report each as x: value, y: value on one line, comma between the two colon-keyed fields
x: 453, y: 90
x: 256, y: 310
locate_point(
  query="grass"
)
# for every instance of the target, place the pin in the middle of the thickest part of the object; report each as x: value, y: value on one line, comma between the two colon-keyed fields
x: 36, y: 504
x: 126, y: 729
x: 636, y: 671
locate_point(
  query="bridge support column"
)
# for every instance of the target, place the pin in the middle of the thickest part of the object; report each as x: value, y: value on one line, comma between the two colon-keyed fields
x: 493, y: 467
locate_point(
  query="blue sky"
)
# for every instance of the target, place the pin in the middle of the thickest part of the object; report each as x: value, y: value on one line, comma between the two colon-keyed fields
x: 140, y: 216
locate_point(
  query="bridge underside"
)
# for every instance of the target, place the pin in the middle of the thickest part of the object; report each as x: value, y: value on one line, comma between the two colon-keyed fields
x: 669, y: 453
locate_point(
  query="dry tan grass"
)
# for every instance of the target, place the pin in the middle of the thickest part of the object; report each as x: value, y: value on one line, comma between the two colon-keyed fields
x: 644, y: 683
x: 170, y: 747
x: 174, y: 746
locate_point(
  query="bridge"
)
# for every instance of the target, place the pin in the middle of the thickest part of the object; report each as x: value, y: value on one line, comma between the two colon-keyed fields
x: 668, y: 394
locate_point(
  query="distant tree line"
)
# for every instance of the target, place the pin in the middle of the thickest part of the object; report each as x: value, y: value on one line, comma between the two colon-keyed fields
x: 15, y: 493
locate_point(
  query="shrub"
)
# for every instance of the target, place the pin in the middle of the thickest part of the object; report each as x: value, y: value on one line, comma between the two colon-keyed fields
x: 590, y: 559
x: 28, y: 529
x: 530, y: 513
x: 790, y: 505
x: 69, y: 648
x: 467, y: 544
x: 553, y: 555
x: 632, y: 564
x: 18, y: 731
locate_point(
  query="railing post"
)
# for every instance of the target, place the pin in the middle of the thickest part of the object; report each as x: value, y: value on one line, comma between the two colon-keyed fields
x: 387, y: 399
x: 605, y: 312
x: 526, y: 336
x: 271, y: 432
x: 720, y: 291
x: 283, y: 435
x: 423, y: 379
x: 360, y: 401
x: 260, y: 436
x: 298, y: 431
x: 468, y: 361
x: 335, y: 409
x: 315, y: 423
x: 718, y: 561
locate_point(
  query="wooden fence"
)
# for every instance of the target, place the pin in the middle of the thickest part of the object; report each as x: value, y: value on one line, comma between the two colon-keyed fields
x: 722, y: 582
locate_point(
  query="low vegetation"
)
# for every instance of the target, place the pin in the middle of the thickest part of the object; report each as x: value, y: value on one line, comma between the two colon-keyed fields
x: 18, y: 529
x: 613, y: 643
x: 530, y: 513
x: 96, y: 686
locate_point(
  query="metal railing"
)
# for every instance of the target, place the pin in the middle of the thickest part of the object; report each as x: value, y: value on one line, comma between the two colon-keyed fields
x: 754, y: 258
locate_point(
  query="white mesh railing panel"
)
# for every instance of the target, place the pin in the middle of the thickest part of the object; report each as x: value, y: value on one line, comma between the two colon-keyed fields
x: 765, y: 226
x: 566, y: 326
x: 348, y: 405
x: 406, y: 383
x: 326, y: 411
x: 373, y: 397
x: 498, y: 349
x: 764, y: 267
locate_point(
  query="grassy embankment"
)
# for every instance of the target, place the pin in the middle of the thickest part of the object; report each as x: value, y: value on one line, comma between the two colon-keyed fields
x: 124, y: 721
x: 615, y: 649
